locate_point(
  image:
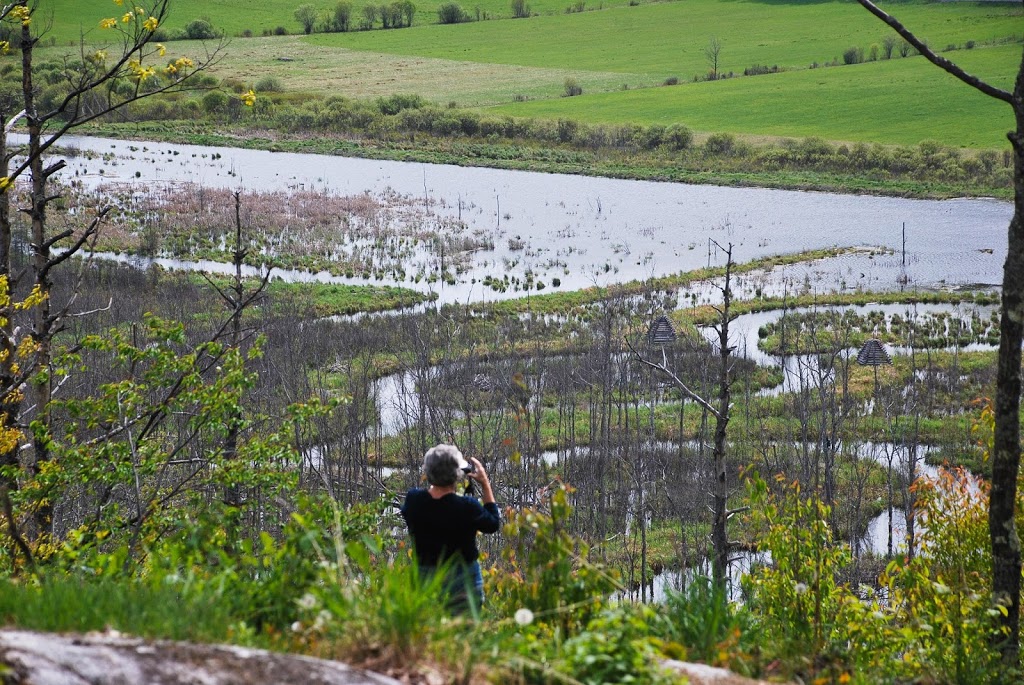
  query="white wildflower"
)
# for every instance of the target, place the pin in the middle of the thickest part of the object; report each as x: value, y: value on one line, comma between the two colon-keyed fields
x: 524, y: 617
x: 801, y: 588
x: 297, y: 627
x: 322, y: 619
x: 307, y: 601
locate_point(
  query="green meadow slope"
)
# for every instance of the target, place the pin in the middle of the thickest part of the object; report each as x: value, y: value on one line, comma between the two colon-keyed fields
x: 618, y: 53
x: 900, y: 101
x: 669, y: 39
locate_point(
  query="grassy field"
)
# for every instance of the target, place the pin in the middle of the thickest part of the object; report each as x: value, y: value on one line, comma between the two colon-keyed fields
x: 849, y: 103
x: 670, y: 39
x: 617, y: 55
x: 233, y: 17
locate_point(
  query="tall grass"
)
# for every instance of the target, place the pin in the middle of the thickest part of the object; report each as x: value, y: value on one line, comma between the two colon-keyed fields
x: 72, y: 603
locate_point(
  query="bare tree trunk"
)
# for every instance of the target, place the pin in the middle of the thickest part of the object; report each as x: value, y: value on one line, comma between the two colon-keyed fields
x: 40, y: 389
x: 719, y: 534
x: 1006, y: 556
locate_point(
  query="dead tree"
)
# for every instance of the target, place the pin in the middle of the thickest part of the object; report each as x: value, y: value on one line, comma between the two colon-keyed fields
x: 720, y: 496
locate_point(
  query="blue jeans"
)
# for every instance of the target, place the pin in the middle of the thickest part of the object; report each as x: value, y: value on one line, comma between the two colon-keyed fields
x: 463, y: 586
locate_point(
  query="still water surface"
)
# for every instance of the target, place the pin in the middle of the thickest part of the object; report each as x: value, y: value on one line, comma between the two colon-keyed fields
x: 596, y: 231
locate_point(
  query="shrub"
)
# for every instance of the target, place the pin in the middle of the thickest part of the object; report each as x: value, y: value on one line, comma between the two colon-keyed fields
x: 451, y: 13
x: 520, y: 9
x: 572, y: 88
x: 969, y: 45
x: 214, y: 102
x: 853, y: 55
x: 408, y: 11
x: 651, y: 137
x: 369, y: 16
x: 269, y: 84
x: 678, y: 137
x: 578, y: 6
x: 280, y: 31
x: 341, y: 20
x: 888, y: 45
x: 759, y: 69
x: 720, y: 144
x: 670, y: 81
x: 200, y: 29
x: 306, y: 16
x: 393, y: 104
x: 547, y: 570
x: 616, y: 647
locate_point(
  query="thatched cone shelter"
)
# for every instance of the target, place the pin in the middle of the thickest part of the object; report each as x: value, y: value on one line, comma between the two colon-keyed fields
x: 873, y: 353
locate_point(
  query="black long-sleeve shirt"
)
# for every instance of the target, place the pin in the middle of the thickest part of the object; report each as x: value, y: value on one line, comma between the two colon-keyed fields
x: 442, y: 528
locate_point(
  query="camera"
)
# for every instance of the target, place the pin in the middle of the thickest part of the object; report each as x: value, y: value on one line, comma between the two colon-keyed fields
x: 468, y: 468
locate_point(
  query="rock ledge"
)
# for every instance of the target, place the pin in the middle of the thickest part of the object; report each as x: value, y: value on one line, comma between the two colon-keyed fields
x: 30, y: 658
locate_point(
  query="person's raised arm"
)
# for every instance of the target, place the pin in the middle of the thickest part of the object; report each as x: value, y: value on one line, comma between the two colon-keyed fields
x: 479, y: 474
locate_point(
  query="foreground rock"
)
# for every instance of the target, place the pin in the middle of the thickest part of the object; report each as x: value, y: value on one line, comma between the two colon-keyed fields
x: 28, y: 658
x: 701, y: 674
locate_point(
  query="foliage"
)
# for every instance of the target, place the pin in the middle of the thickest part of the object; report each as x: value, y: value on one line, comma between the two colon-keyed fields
x: 547, y: 570
x: 702, y: 619
x: 451, y: 13
x: 200, y: 29
x: 345, y: 607
x: 520, y: 9
x: 932, y: 619
x: 307, y: 16
x: 572, y: 88
x: 797, y: 598
x: 62, y: 602
x: 616, y: 647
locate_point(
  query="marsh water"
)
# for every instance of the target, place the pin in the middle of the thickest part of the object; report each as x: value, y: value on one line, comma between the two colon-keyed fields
x: 588, y: 231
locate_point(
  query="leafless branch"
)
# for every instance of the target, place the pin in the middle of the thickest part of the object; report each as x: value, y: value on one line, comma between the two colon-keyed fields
x: 675, y: 379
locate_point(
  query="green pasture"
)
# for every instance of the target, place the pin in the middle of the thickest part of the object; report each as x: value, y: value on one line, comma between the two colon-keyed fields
x: 73, y: 18
x: 233, y: 17
x: 900, y: 101
x: 669, y: 39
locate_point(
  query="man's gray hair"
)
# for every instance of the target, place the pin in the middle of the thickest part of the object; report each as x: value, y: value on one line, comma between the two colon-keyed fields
x: 442, y: 465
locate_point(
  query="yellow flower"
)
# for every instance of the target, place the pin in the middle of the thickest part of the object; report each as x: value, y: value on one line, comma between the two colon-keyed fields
x: 23, y: 13
x: 139, y: 11
x: 128, y: 16
x: 5, y: 183
x: 5, y: 47
x: 249, y: 98
x: 108, y: 23
x: 150, y: 24
x: 184, y: 63
x: 99, y: 55
x: 119, y: 2
x: 161, y: 48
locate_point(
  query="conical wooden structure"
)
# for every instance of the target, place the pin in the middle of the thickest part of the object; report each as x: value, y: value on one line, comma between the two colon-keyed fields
x: 661, y: 332
x: 873, y: 353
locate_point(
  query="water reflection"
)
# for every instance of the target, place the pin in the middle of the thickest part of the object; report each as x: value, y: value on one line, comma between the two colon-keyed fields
x: 589, y: 231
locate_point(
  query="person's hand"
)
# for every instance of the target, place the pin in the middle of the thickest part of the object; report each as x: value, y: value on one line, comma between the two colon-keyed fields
x: 480, y: 476
x: 479, y: 473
